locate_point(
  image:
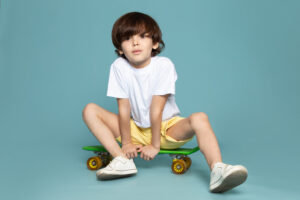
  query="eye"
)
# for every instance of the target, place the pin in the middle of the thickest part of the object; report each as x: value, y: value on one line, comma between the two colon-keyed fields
x: 125, y: 37
x: 144, y: 35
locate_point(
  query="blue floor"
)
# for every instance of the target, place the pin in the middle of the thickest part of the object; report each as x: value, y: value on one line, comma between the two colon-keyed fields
x: 57, y: 170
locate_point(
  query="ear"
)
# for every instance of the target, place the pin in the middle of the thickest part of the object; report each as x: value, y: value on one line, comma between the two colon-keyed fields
x: 155, y: 46
x: 120, y: 52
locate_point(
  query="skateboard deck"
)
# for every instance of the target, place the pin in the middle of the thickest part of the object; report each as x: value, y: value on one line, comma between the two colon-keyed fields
x: 183, y: 151
x: 181, y: 162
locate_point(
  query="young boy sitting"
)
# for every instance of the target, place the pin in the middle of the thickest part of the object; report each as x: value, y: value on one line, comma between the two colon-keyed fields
x: 149, y: 119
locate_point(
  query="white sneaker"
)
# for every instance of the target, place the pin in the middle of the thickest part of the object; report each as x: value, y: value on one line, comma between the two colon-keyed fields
x: 118, y: 167
x: 225, y: 177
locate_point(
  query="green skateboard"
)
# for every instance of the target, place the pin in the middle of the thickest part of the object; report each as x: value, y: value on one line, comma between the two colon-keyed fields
x: 181, y: 162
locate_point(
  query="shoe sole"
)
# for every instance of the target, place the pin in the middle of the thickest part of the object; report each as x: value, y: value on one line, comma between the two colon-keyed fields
x: 114, y: 176
x: 232, y: 180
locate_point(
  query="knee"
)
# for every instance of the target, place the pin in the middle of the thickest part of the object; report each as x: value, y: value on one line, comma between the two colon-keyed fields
x: 88, y: 110
x: 198, y: 118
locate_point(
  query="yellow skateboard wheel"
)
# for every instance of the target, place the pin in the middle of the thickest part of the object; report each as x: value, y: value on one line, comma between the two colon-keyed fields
x: 179, y: 166
x: 94, y: 163
x: 188, y: 162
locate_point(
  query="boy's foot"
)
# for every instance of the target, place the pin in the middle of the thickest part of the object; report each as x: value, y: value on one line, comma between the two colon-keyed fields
x: 117, y: 168
x: 224, y: 177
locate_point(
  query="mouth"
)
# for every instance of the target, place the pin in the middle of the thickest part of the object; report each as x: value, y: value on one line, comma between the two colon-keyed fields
x: 136, y: 51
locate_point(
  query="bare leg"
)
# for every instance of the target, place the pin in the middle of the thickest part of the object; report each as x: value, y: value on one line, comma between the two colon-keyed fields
x: 198, y: 124
x: 104, y: 126
x: 223, y: 178
x: 206, y: 139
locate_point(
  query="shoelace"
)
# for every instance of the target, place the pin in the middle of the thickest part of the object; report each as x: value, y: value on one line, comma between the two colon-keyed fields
x: 113, y: 162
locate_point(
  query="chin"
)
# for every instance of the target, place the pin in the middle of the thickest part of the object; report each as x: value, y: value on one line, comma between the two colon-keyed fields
x: 139, y: 59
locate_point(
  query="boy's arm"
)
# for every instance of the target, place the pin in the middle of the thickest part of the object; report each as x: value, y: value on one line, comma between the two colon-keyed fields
x: 156, y: 111
x: 124, y: 120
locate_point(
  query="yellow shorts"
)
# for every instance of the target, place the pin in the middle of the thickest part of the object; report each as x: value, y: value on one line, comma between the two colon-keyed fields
x: 143, y: 136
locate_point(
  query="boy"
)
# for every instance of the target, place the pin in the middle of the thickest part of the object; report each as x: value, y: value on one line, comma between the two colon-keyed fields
x: 149, y: 119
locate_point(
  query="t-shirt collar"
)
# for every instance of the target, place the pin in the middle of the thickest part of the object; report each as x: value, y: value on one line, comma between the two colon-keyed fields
x: 144, y: 69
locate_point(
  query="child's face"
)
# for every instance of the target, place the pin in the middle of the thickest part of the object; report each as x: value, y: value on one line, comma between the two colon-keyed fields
x: 144, y: 44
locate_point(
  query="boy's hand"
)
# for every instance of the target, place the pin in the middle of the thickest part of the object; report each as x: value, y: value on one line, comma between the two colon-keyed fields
x: 148, y: 152
x: 130, y: 150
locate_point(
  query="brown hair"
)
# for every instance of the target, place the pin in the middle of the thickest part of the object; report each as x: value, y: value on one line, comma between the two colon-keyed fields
x: 134, y: 23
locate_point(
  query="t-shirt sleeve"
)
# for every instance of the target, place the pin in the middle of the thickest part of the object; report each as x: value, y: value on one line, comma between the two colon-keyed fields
x: 167, y: 76
x: 117, y: 86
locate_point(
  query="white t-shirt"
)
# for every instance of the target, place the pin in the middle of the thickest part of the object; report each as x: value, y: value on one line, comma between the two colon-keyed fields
x: 138, y: 85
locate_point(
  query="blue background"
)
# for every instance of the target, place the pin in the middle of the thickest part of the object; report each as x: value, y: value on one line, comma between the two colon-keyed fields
x: 237, y: 61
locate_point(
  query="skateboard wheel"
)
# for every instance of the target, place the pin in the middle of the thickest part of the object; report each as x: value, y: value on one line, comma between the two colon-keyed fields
x: 179, y: 166
x: 94, y: 163
x: 188, y: 162
x: 106, y: 159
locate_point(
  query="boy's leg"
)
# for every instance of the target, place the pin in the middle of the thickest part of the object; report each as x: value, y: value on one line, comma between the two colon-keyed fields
x: 198, y: 124
x: 105, y: 127
x: 223, y: 176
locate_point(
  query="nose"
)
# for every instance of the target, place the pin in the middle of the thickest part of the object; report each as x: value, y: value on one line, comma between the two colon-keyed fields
x: 135, y: 40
